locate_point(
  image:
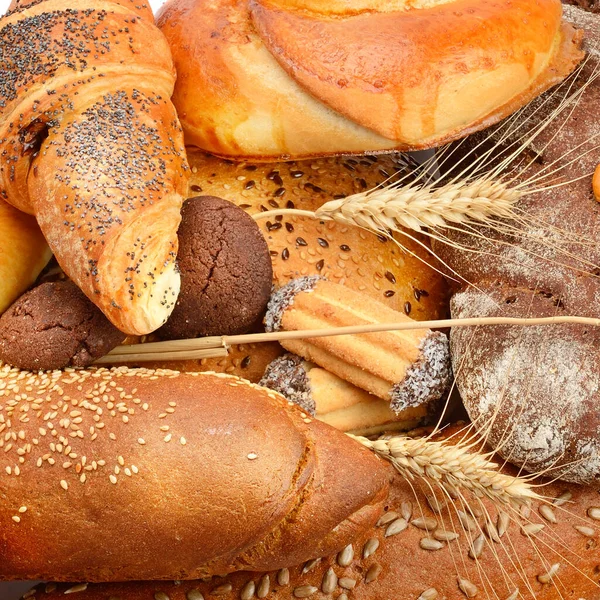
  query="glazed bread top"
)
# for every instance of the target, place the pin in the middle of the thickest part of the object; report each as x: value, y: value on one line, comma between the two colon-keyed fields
x: 268, y: 78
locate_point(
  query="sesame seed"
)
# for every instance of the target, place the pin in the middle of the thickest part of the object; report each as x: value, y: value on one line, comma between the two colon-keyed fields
x: 248, y: 591
x: 346, y: 556
x: 532, y: 528
x: 252, y: 456
x: 222, y: 590
x: 594, y: 513
x: 373, y: 572
x: 80, y: 587
x: 305, y: 591
x: 264, y: 586
x: 370, y: 547
x: 64, y: 485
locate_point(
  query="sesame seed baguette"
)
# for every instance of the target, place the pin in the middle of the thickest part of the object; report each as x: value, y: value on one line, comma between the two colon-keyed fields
x: 116, y: 475
x: 94, y: 150
x: 420, y: 550
x: 406, y: 368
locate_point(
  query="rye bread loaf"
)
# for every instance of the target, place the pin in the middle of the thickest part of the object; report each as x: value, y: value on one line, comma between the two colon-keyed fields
x: 540, y: 387
x: 115, y: 475
x: 424, y: 550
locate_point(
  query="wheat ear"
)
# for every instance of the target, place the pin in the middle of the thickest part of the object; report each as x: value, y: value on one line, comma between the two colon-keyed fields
x: 453, y: 467
x: 417, y: 207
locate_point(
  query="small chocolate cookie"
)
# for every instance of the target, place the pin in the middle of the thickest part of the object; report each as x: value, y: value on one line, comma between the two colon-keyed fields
x: 226, y: 271
x: 54, y: 326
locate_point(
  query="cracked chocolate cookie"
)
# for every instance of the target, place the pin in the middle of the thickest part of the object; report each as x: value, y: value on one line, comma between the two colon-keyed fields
x: 55, y: 326
x: 226, y: 271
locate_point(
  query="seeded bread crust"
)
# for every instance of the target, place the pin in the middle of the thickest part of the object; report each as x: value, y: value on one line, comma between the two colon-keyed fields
x: 362, y: 261
x: 543, y: 382
x: 92, y: 147
x: 391, y: 560
x: 103, y: 471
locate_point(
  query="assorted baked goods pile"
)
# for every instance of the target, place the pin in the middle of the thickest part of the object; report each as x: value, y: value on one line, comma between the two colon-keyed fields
x: 263, y: 269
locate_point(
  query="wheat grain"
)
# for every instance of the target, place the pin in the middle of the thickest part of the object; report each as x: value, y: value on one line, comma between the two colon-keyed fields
x: 452, y: 465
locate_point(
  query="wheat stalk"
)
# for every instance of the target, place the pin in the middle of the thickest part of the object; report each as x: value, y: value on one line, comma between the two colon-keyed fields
x: 451, y: 466
x: 218, y: 346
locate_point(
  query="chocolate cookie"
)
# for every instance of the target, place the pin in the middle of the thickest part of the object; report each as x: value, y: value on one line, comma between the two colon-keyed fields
x: 226, y: 271
x: 54, y: 326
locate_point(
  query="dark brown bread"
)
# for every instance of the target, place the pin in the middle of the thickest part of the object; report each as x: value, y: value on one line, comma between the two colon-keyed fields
x: 137, y: 474
x: 390, y: 562
x: 55, y: 326
x: 226, y: 271
x: 544, y: 383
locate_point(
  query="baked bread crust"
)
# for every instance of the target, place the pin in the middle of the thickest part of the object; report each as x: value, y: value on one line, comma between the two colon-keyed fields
x: 23, y: 255
x: 401, y: 279
x: 111, y: 468
x: 92, y: 147
x: 265, y: 78
x: 389, y: 561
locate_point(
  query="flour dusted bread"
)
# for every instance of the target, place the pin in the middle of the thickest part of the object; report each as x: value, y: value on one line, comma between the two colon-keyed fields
x: 536, y: 392
x: 272, y: 78
x: 103, y: 471
x: 549, y: 553
x: 92, y: 147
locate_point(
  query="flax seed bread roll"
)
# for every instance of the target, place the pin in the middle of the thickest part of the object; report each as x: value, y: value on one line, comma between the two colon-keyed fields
x: 536, y: 391
x: 136, y: 474
x: 274, y: 78
x: 419, y: 553
x: 403, y: 280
